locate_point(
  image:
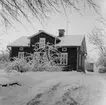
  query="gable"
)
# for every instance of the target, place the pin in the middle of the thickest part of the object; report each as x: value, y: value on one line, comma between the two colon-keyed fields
x: 48, y: 38
x: 40, y: 32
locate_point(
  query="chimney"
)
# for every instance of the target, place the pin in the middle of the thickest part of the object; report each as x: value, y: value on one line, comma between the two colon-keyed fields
x: 61, y: 32
x: 40, y: 30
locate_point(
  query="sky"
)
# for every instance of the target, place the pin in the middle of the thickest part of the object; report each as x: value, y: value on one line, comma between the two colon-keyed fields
x: 76, y: 24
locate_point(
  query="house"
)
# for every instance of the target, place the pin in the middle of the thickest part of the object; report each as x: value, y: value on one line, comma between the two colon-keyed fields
x: 72, y: 47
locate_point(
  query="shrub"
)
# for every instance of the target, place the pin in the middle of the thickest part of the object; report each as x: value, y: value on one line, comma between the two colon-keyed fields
x: 43, y: 59
x: 102, y: 61
x: 102, y: 69
x: 3, y: 64
x: 4, y: 59
x: 48, y: 67
x: 20, y: 65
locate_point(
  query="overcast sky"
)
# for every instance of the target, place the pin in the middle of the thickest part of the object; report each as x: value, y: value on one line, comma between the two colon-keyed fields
x: 77, y: 24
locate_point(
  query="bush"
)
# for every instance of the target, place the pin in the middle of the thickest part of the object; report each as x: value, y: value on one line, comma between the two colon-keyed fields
x: 43, y: 59
x: 3, y: 64
x: 102, y: 69
x: 102, y: 61
x: 48, y: 67
x: 4, y: 59
x: 20, y: 65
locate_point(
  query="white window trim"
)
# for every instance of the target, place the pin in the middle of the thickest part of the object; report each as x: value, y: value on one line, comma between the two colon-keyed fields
x: 64, y: 56
x: 20, y: 54
x: 64, y: 49
x: 21, y: 48
x: 42, y: 42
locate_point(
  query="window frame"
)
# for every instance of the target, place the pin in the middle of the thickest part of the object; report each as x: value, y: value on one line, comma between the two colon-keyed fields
x: 21, y: 48
x: 64, y: 49
x: 42, y: 42
x: 64, y: 59
x: 21, y: 54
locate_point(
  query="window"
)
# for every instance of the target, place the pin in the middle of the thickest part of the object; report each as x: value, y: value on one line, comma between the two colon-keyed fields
x: 21, y: 48
x: 64, y: 49
x: 20, y: 54
x: 42, y: 42
x: 63, y: 59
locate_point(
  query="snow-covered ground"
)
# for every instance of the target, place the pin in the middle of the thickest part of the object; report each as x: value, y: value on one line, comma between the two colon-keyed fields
x: 52, y: 88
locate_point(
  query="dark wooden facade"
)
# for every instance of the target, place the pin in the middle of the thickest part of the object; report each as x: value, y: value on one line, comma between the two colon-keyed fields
x: 75, y: 54
x: 72, y: 57
x: 49, y: 38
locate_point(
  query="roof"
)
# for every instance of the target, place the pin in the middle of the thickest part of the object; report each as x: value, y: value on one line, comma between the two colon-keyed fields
x: 67, y: 40
x: 71, y: 40
x: 22, y: 41
x: 40, y: 31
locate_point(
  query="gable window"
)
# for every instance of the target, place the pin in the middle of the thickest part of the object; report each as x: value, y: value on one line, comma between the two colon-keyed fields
x: 20, y: 54
x: 64, y: 49
x: 42, y: 42
x: 63, y: 59
x: 21, y: 48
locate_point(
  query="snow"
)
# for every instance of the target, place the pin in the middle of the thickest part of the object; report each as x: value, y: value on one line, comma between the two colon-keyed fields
x: 85, y: 89
x: 71, y: 40
x: 2, y: 72
x: 22, y: 41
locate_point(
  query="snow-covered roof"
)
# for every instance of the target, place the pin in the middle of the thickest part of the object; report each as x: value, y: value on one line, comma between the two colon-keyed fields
x: 40, y: 31
x: 71, y: 40
x: 22, y: 41
x: 67, y: 40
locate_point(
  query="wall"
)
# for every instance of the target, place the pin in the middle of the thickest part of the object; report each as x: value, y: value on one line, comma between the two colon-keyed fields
x: 72, y: 56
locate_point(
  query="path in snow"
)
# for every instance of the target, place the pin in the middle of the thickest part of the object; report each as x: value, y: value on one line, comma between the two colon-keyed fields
x: 91, y: 84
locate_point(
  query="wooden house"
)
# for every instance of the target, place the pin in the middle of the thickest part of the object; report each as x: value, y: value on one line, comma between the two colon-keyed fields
x: 72, y: 47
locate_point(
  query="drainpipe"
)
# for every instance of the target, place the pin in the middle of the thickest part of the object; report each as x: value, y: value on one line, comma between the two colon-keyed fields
x: 9, y: 51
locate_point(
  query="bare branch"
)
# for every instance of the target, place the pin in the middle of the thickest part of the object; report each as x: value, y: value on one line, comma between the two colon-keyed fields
x: 40, y: 9
x: 97, y: 38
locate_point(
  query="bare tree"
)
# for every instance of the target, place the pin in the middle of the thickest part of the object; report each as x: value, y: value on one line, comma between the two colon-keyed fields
x: 97, y: 39
x: 11, y: 10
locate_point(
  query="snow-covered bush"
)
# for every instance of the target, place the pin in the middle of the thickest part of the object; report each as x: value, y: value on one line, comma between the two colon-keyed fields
x: 3, y: 64
x: 48, y: 67
x: 43, y: 59
x: 101, y: 64
x: 102, y: 60
x: 20, y: 65
x: 4, y: 59
x: 46, y: 58
x: 102, y: 69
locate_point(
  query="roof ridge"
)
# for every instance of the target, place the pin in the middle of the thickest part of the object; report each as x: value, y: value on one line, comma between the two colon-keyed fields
x: 41, y: 32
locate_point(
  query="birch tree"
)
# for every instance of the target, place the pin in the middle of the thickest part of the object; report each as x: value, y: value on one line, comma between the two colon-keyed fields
x: 97, y: 38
